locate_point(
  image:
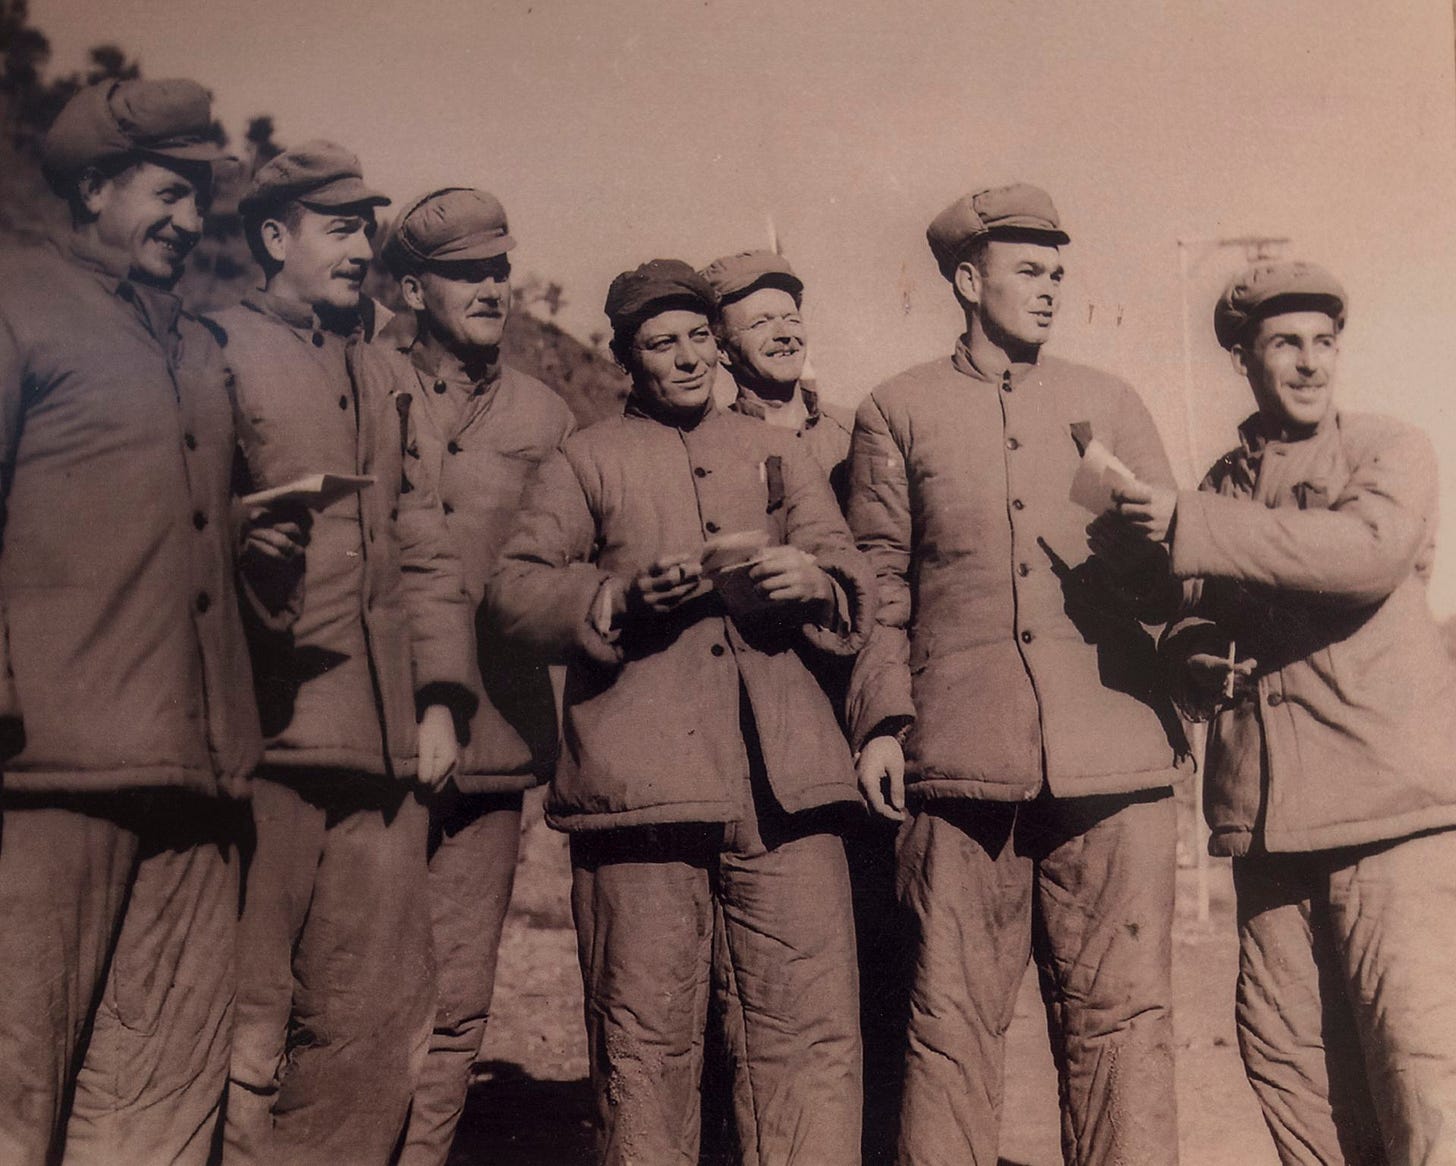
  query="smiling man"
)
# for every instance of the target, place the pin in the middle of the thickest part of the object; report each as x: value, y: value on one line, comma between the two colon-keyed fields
x: 358, y: 705
x: 1011, y: 692
x: 703, y: 767
x: 763, y: 344
x: 129, y: 728
x: 1332, y: 748
x: 481, y: 429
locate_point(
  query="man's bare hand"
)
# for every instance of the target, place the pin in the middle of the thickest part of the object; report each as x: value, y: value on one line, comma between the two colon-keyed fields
x: 881, y: 769
x: 1123, y: 548
x: 1147, y: 509
x: 439, y: 751
x: 666, y: 584
x: 1208, y: 676
x: 277, y: 533
x: 785, y: 574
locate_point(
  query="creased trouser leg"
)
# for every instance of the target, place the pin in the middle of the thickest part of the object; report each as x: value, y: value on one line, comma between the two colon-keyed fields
x: 336, y: 892
x: 476, y: 839
x: 644, y: 923
x: 289, y: 838
x: 1296, y: 1029
x: 967, y: 894
x: 1392, y: 912
x: 364, y: 992
x: 151, y: 1085
x: 1102, y: 937
x: 64, y: 877
x: 789, y: 937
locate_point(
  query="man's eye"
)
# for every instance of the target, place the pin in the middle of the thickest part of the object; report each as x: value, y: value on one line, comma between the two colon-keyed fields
x: 701, y: 334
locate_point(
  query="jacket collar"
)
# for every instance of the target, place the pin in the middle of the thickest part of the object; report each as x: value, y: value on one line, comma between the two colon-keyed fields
x: 961, y: 359
x: 1257, y: 432
x: 302, y: 317
x: 637, y: 406
x: 111, y: 268
x: 750, y: 404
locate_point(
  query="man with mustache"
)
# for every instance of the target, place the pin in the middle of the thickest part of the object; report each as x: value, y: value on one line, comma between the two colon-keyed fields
x: 358, y: 705
x: 481, y: 428
x: 763, y: 345
x: 1309, y: 645
x: 1011, y: 693
x: 703, y: 769
x: 127, y: 724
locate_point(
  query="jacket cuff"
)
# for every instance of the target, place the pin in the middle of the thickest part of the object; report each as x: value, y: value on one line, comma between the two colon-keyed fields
x: 456, y: 697
x: 849, y: 625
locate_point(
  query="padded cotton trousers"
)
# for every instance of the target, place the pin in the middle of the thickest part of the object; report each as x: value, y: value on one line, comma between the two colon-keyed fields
x: 1347, y: 1003
x: 661, y: 910
x: 474, y: 842
x: 335, y: 991
x: 116, y: 975
x: 1085, y: 887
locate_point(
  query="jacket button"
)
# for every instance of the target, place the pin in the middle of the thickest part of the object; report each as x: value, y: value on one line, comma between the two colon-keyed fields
x: 1006, y: 384
x: 189, y: 441
x: 439, y: 386
x: 1027, y: 637
x: 1017, y: 504
x: 343, y: 401
x: 717, y: 649
x: 1275, y: 699
x: 1023, y: 569
x: 204, y: 601
x: 711, y: 527
x: 318, y: 339
x: 699, y: 472
x: 1012, y: 443
x: 199, y: 520
x: 453, y: 447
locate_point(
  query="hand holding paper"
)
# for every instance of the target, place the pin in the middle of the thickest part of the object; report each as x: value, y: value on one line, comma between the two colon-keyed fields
x: 1098, y: 475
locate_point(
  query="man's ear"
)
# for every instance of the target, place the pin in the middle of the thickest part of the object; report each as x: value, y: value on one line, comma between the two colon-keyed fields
x: 967, y: 280
x: 274, y: 235
x: 91, y: 190
x: 1239, y: 356
x: 412, y: 291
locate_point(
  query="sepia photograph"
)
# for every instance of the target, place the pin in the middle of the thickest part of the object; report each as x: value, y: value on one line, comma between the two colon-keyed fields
x: 727, y: 583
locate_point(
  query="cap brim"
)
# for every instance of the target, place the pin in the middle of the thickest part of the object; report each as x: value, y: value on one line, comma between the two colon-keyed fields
x: 1028, y: 231
x: 192, y: 152
x: 473, y: 249
x: 777, y: 279
x: 341, y: 192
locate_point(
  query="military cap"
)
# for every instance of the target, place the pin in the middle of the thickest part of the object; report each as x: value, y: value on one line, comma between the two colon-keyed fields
x: 1019, y: 210
x: 451, y: 225
x: 318, y: 174
x: 118, y: 119
x: 1270, y: 287
x: 734, y: 276
x: 657, y: 286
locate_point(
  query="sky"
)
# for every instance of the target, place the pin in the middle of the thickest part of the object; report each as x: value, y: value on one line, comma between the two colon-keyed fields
x: 621, y: 130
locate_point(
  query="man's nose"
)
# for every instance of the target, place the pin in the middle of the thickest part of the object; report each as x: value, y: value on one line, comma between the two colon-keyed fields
x: 686, y: 354
x: 187, y: 216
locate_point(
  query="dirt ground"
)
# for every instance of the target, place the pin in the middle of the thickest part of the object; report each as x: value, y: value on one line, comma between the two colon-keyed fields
x: 530, y: 1103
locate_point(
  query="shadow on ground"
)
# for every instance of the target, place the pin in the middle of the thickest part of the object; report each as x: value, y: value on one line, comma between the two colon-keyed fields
x: 512, y: 1117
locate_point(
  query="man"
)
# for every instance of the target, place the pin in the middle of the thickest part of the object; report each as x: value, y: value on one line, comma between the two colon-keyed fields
x: 481, y: 428
x: 1014, y: 674
x: 762, y: 344
x: 703, y: 764
x: 1331, y: 778
x: 335, y: 992
x: 129, y: 729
